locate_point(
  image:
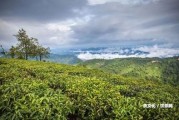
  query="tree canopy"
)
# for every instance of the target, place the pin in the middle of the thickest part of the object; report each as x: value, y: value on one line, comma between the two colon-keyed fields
x: 28, y: 47
x: 3, y: 51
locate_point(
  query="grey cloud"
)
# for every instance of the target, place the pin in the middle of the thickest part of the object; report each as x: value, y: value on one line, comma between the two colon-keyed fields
x: 40, y: 9
x: 33, y: 16
x: 169, y: 20
x: 115, y: 22
x: 124, y: 2
x: 94, y: 29
x: 111, y: 23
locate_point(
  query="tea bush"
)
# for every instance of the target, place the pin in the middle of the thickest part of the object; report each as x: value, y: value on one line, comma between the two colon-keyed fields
x: 39, y: 90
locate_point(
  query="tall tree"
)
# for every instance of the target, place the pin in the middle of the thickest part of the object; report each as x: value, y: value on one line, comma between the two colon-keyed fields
x: 24, y: 43
x: 28, y: 47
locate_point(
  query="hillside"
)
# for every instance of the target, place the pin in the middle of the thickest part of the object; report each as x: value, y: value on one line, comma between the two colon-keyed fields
x: 44, y: 90
x: 64, y: 59
x: 165, y: 70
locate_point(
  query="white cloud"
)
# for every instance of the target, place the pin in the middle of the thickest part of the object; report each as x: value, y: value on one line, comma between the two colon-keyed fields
x: 130, y: 2
x: 150, y: 51
x: 94, y: 2
x: 54, y: 38
x: 63, y: 26
x: 56, y: 27
x: 108, y: 24
x: 156, y: 51
x: 90, y: 56
x: 52, y: 34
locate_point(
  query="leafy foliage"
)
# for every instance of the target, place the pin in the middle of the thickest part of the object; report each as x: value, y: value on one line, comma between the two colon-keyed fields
x: 3, y: 52
x: 27, y: 47
x: 37, y: 90
x: 165, y: 69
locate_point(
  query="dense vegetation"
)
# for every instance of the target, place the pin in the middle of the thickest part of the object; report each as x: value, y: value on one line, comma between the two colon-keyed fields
x: 164, y: 69
x: 39, y: 90
x: 65, y: 59
x: 27, y: 47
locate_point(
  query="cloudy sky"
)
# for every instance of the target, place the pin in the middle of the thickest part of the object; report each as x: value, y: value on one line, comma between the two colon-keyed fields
x: 91, y: 23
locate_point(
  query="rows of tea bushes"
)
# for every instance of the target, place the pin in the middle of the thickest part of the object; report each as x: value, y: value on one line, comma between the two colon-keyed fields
x: 40, y: 90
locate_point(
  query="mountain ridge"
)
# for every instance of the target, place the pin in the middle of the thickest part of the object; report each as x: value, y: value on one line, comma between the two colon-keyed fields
x: 159, y: 69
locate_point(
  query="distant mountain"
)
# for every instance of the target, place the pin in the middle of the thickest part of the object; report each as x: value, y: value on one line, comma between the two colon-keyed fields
x: 103, y: 50
x: 128, y: 52
x: 159, y: 69
x: 65, y: 59
x: 74, y: 56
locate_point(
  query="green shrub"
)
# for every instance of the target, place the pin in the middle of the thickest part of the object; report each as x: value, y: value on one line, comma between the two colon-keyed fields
x: 38, y: 90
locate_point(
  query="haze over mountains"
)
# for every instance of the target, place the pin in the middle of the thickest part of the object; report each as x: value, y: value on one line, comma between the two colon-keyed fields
x: 76, y: 55
x: 142, y: 52
x: 73, y: 56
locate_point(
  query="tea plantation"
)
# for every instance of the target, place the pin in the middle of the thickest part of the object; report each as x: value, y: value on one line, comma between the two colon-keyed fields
x: 49, y: 91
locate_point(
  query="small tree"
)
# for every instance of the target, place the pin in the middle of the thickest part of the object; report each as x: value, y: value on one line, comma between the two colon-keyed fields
x: 42, y: 52
x: 33, y: 46
x: 12, y: 51
x: 3, y: 51
x: 25, y: 42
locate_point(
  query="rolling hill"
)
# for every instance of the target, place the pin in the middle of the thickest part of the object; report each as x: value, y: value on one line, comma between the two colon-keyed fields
x: 45, y: 90
x: 57, y: 58
x: 158, y: 69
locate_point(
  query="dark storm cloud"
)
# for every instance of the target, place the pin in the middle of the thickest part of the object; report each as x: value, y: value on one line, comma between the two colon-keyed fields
x: 95, y: 29
x: 42, y: 10
x: 169, y: 20
x: 61, y: 23
x: 35, y: 16
x: 116, y: 22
